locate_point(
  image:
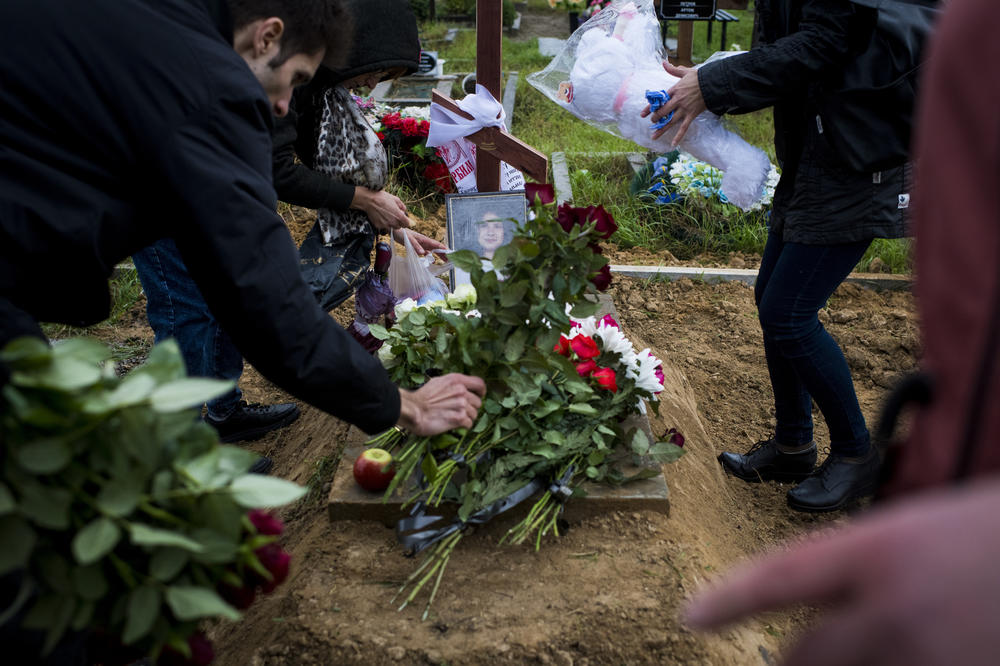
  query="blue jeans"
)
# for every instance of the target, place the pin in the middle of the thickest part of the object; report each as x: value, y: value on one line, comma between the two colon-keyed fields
x: 804, y: 362
x: 176, y: 309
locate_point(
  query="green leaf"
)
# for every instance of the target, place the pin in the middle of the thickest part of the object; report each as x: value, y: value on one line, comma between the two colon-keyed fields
x: 467, y: 260
x: 134, y: 389
x: 640, y: 442
x: 18, y: 539
x: 95, y: 540
x: 584, y: 309
x: 216, y: 547
x: 378, y: 331
x: 255, y: 490
x: 87, y: 350
x: 164, y: 362
x: 582, y: 408
x: 222, y: 514
x: 593, y: 472
x: 167, y: 563
x: 7, y: 502
x: 24, y: 593
x: 144, y: 535
x: 89, y: 582
x: 47, y: 507
x: 515, y: 344
x: 54, y: 571
x: 121, y: 495
x: 192, y: 603
x: 143, y: 609
x: 45, y: 456
x: 67, y: 374
x: 554, y: 437
x: 25, y: 352
x: 429, y: 467
x: 513, y: 294
x: 187, y: 392
x: 82, y: 617
x: 665, y: 452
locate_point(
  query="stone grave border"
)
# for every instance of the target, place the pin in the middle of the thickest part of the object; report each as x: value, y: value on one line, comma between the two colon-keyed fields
x: 564, y: 194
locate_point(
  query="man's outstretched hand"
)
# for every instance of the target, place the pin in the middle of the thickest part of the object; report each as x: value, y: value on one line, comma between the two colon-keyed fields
x: 914, y: 583
x: 443, y: 403
x: 685, y: 101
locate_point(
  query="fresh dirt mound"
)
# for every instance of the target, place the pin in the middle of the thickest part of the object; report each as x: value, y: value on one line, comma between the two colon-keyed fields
x: 608, y: 591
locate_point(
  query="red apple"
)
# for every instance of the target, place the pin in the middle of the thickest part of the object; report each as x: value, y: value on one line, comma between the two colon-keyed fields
x: 373, y: 470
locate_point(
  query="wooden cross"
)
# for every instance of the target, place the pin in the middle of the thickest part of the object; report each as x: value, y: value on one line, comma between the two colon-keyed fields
x: 494, y: 145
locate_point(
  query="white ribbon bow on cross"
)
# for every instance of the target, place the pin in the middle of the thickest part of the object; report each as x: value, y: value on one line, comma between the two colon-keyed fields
x: 448, y: 126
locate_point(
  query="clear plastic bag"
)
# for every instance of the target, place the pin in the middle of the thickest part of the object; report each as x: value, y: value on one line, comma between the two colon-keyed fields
x: 602, y: 75
x: 411, y: 277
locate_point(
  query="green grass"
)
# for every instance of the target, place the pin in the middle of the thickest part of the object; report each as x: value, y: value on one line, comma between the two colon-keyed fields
x: 687, y: 229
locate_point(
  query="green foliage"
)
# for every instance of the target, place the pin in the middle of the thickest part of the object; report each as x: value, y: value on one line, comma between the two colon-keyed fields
x: 116, y: 500
x: 542, y: 416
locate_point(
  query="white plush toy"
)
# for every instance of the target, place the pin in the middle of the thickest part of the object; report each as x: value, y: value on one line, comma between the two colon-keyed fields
x: 602, y: 77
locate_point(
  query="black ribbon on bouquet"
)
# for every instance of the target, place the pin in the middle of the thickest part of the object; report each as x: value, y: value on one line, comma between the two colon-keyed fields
x: 421, y: 530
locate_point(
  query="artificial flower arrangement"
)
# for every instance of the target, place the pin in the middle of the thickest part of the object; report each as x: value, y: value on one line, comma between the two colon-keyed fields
x: 678, y: 175
x: 560, y: 384
x: 120, y: 513
x: 594, y: 7
x: 403, y: 133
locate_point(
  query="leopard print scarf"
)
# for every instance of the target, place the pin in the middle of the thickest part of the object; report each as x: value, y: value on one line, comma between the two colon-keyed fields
x: 349, y: 151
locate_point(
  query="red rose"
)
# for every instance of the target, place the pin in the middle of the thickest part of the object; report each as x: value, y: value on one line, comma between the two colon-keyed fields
x: 423, y: 128
x: 409, y: 127
x: 265, y: 523
x: 603, y: 278
x: 542, y: 191
x: 437, y: 173
x: 202, y: 653
x: 238, y: 597
x: 674, y: 436
x: 381, y: 137
x: 562, y: 347
x: 584, y: 347
x: 277, y: 563
x: 606, y: 378
x: 605, y: 223
x: 391, y: 120
x: 568, y: 217
x: 586, y: 368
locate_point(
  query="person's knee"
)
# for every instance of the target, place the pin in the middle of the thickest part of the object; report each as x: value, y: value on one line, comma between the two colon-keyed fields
x: 785, y: 324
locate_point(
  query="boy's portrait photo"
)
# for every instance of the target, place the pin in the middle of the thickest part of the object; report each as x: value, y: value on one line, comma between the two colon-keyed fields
x: 482, y: 223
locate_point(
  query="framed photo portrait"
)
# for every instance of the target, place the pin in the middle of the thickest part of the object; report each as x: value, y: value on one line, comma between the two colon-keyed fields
x: 482, y: 222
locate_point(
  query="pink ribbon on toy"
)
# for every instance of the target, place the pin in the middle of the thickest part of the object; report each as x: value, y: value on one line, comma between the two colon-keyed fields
x: 620, y: 97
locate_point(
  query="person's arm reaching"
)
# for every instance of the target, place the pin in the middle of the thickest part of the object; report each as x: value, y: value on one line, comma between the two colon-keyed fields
x: 221, y: 209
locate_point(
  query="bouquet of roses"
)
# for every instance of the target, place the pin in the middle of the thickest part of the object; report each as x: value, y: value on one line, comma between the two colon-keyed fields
x: 560, y: 384
x: 403, y: 132
x: 594, y: 6
x: 120, y: 512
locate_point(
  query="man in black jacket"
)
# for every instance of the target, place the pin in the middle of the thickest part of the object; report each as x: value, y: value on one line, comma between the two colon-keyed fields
x: 126, y: 121
x: 824, y: 216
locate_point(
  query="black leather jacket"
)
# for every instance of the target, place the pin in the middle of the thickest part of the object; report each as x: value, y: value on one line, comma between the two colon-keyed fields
x: 126, y: 121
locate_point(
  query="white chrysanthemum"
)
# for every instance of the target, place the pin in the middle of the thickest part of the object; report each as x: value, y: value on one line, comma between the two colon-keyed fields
x: 404, y: 306
x: 613, y: 340
x: 587, y: 326
x: 645, y: 378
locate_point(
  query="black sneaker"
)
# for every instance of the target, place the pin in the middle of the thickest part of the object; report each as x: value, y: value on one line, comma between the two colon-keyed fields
x: 764, y: 462
x: 252, y: 421
x: 839, y: 481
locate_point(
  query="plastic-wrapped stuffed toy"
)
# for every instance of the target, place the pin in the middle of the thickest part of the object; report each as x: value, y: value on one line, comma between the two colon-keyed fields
x: 603, y: 76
